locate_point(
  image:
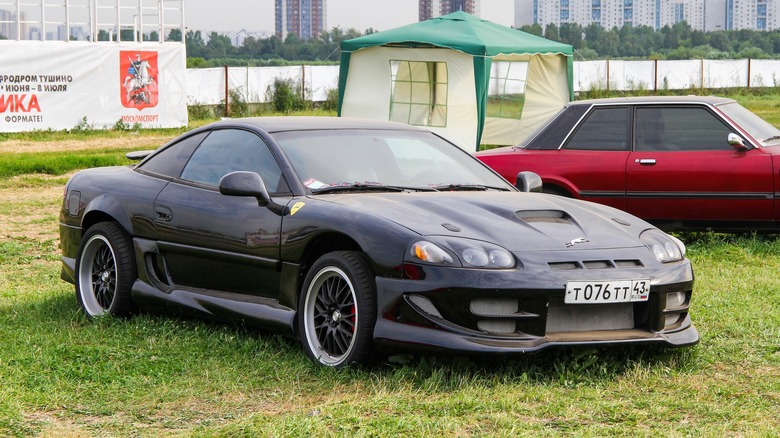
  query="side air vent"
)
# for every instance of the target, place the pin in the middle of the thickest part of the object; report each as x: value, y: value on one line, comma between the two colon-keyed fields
x: 498, y: 326
x: 597, y: 264
x: 425, y: 304
x: 564, y: 266
x: 494, y: 306
x: 628, y: 263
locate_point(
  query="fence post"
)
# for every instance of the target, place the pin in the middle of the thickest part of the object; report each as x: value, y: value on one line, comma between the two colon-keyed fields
x: 701, y: 83
x: 227, y: 93
x: 655, y: 76
x: 748, y: 81
x: 303, y: 82
x: 607, y: 75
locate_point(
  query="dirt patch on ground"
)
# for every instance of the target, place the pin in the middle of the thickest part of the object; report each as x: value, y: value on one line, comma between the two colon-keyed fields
x: 30, y: 212
x: 130, y: 140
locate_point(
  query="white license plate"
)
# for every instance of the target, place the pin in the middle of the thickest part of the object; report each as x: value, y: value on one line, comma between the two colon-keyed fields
x: 598, y: 292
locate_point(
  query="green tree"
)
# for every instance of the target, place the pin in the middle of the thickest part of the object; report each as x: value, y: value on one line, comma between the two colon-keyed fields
x: 219, y: 46
x: 174, y: 35
x: 551, y: 32
x: 196, y: 46
x: 571, y: 33
x: 533, y: 29
x: 720, y: 41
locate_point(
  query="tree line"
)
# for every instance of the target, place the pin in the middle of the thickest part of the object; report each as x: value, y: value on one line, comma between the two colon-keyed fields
x: 679, y: 41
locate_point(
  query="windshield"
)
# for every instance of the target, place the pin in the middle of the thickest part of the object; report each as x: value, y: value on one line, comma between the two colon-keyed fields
x: 373, y: 159
x: 757, y: 127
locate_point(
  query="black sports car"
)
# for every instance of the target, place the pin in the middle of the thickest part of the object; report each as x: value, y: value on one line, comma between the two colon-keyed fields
x: 355, y: 235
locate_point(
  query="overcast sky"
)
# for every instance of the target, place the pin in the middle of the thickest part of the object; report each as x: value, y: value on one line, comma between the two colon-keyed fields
x: 258, y: 15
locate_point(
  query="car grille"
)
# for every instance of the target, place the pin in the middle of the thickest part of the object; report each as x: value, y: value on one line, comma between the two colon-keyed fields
x: 589, y: 317
x: 595, y: 264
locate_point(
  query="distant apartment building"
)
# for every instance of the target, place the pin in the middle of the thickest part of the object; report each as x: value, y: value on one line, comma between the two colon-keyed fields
x: 706, y: 15
x: 8, y: 27
x: 304, y: 18
x: 435, y: 8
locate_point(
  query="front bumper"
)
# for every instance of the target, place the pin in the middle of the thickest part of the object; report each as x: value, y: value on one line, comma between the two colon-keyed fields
x: 522, y: 310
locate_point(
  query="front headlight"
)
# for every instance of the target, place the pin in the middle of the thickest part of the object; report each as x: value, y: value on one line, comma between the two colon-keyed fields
x: 471, y: 253
x: 666, y: 248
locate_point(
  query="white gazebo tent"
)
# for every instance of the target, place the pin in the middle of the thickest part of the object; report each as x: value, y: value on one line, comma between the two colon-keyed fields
x: 469, y: 80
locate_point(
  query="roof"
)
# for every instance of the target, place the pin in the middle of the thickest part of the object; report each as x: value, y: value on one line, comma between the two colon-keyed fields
x: 709, y: 100
x: 460, y: 31
x: 306, y: 123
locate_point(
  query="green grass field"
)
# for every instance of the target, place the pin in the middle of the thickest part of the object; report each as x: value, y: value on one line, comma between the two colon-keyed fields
x: 153, y: 375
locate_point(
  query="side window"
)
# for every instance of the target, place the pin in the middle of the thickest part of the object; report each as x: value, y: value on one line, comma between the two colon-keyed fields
x: 605, y: 129
x: 680, y: 129
x: 230, y: 150
x: 171, y: 160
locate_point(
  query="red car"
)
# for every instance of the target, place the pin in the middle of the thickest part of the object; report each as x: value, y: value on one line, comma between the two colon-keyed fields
x: 679, y: 162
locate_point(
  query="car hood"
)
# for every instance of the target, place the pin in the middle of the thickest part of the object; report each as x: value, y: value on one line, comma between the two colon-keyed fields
x: 516, y: 221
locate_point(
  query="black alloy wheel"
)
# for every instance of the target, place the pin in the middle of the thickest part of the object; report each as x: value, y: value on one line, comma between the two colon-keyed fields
x: 337, y: 310
x: 105, y: 271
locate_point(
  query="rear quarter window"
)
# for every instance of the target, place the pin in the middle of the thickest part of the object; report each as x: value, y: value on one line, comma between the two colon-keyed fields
x: 555, y: 132
x: 171, y: 160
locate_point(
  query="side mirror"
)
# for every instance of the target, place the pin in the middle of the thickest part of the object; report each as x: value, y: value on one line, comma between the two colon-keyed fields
x: 737, y: 142
x: 245, y: 184
x: 528, y: 182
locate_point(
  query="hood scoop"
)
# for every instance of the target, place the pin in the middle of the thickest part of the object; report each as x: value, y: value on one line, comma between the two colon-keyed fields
x: 544, y: 216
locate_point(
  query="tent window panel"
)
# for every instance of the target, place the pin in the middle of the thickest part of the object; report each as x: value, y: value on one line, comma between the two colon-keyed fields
x: 506, y: 94
x: 419, y: 92
x: 402, y: 92
x: 419, y: 115
x: 400, y: 113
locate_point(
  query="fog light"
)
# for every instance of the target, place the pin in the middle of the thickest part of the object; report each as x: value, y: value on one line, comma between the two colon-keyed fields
x: 675, y: 300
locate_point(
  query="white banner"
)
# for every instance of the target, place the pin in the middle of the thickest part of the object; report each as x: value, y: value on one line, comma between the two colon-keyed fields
x: 59, y: 85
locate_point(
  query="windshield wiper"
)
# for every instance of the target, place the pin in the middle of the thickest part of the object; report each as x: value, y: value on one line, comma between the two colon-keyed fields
x: 367, y: 187
x: 465, y: 187
x: 774, y: 137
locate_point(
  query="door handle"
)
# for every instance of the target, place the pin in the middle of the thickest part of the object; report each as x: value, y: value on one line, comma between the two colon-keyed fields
x: 645, y: 161
x: 163, y: 214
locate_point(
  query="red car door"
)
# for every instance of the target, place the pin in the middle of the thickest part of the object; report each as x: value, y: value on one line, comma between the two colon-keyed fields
x: 682, y: 168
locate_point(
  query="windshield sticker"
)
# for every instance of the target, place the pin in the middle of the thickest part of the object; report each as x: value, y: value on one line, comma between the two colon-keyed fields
x: 297, y: 206
x: 314, y: 184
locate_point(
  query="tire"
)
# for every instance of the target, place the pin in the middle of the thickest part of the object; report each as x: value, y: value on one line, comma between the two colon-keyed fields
x: 337, y: 310
x: 105, y: 271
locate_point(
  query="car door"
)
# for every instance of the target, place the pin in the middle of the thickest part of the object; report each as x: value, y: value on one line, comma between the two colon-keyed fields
x: 217, y: 242
x: 683, y: 169
x: 593, y: 159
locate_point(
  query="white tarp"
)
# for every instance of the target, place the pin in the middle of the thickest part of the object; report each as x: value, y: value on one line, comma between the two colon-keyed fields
x: 546, y: 92
x: 57, y: 85
x: 370, y: 73
x: 206, y: 86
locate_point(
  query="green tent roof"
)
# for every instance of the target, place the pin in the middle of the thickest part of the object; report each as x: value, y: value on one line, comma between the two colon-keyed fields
x: 463, y: 32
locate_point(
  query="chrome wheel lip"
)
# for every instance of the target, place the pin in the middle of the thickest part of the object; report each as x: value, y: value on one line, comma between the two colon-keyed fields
x: 329, y: 322
x: 97, y: 275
